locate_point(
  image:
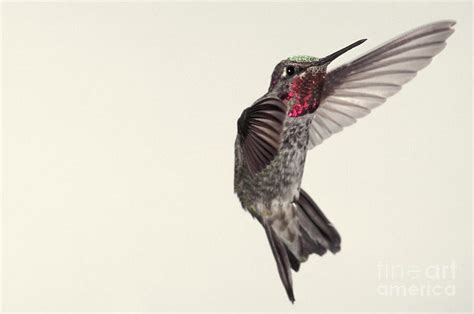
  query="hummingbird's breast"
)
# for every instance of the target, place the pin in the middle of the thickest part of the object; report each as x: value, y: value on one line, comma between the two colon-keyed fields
x: 281, y: 179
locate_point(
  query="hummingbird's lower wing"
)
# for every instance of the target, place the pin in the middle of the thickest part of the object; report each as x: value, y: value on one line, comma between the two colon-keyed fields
x: 352, y: 90
x: 260, y: 129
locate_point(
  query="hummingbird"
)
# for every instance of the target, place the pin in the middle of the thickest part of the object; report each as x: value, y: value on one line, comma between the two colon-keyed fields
x: 304, y: 105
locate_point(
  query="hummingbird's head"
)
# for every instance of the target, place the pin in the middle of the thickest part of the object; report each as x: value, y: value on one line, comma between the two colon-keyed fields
x: 299, y: 81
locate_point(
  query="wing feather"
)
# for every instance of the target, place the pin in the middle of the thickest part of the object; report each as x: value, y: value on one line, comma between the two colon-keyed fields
x: 260, y: 129
x: 352, y: 90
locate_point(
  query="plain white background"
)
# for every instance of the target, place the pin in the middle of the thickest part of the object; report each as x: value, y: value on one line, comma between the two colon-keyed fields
x: 118, y: 129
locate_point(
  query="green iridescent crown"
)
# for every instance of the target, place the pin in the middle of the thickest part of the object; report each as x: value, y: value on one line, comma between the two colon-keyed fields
x: 303, y: 59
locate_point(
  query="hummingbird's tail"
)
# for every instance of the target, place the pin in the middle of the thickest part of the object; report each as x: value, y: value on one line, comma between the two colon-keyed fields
x: 295, y: 236
x: 283, y: 259
x: 317, y: 233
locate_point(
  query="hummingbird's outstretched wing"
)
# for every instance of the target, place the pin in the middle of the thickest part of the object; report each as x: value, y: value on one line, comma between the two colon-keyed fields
x: 352, y: 90
x: 260, y: 129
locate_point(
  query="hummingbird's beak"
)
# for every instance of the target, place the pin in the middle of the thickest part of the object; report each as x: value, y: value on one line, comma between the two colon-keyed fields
x: 332, y: 56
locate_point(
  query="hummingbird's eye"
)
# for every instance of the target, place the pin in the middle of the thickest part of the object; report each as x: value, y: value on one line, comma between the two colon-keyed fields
x: 290, y: 70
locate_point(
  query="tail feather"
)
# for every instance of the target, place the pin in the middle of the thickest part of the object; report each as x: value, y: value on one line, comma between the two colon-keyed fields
x: 320, y: 231
x: 282, y: 259
x: 294, y: 262
x: 310, y: 246
x: 315, y: 234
